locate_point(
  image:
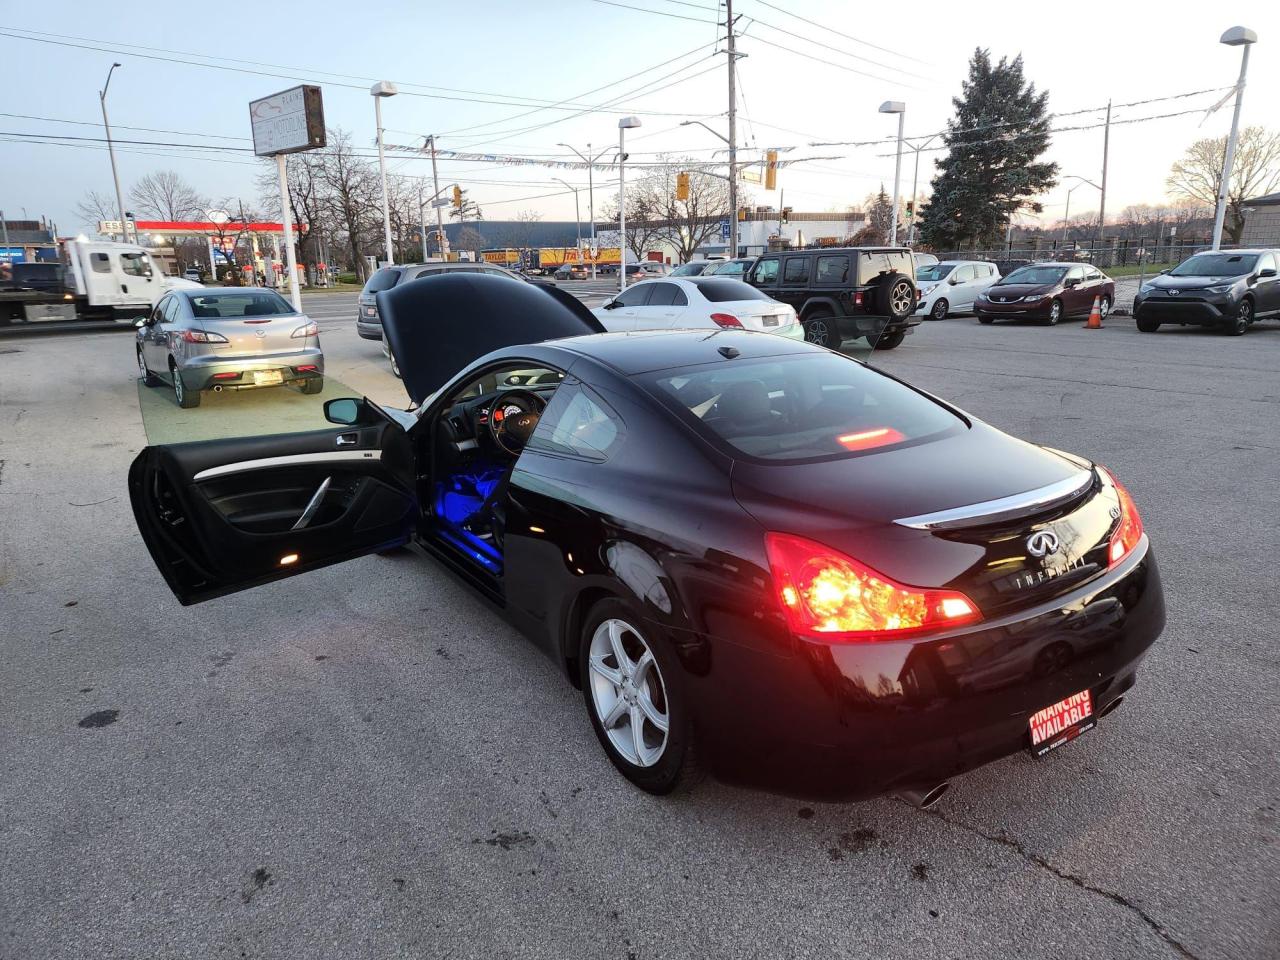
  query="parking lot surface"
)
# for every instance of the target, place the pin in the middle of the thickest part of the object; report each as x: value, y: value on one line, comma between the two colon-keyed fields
x: 367, y: 762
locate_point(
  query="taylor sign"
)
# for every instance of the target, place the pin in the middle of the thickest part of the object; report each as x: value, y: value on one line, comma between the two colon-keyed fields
x: 288, y: 122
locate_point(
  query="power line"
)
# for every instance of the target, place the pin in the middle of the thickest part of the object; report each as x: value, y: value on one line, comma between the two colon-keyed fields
x: 823, y: 27
x: 656, y: 13
x: 838, y: 66
x: 120, y: 126
x: 839, y: 50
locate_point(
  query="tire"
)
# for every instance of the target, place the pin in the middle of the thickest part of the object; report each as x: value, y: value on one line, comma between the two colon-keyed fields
x: 664, y: 760
x: 313, y: 385
x: 939, y: 311
x: 890, y: 340
x: 395, y: 367
x: 1055, y: 314
x: 149, y: 379
x: 1104, y: 308
x: 1148, y: 326
x: 982, y: 319
x: 1238, y: 324
x: 187, y: 399
x: 821, y: 327
x: 895, y: 297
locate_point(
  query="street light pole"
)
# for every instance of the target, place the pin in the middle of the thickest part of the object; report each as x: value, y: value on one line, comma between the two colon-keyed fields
x: 383, y: 88
x: 1235, y: 37
x: 591, y: 196
x: 435, y: 185
x: 577, y: 217
x: 900, y: 108
x: 733, y: 131
x: 625, y: 124
x: 111, y: 151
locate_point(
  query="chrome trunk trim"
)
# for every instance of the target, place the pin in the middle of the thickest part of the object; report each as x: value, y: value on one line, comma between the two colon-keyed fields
x: 1005, y: 508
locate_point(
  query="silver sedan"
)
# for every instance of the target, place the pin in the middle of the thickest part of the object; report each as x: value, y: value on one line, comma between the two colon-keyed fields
x: 227, y: 338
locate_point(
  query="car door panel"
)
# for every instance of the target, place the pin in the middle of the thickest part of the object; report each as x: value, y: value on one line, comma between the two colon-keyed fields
x: 225, y: 515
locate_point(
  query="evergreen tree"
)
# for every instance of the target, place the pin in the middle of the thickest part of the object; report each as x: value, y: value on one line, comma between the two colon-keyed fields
x: 1000, y: 129
x: 879, y: 218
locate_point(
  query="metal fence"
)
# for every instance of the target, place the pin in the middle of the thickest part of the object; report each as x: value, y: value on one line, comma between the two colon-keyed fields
x: 1109, y: 252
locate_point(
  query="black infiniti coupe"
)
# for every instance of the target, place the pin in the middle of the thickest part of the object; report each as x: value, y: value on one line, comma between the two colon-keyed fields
x: 755, y: 552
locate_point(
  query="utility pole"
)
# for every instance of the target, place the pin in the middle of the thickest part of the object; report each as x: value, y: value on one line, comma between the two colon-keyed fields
x: 1106, y: 143
x: 435, y: 185
x: 1235, y: 37
x: 111, y: 151
x: 422, y: 222
x: 733, y: 131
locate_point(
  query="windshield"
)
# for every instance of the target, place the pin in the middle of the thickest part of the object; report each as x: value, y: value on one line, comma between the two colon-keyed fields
x: 1036, y: 275
x: 689, y: 269
x: 935, y: 271
x: 256, y: 303
x: 806, y: 407
x: 719, y: 290
x: 1216, y: 265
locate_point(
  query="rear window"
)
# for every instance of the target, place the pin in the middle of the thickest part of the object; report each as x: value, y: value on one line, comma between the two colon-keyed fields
x: 801, y: 408
x: 219, y: 306
x: 384, y: 279
x: 726, y: 291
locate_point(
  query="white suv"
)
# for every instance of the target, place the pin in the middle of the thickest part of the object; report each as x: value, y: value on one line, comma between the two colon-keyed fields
x: 952, y: 285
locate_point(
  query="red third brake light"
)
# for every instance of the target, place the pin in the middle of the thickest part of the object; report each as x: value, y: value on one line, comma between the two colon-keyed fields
x: 826, y: 592
x: 726, y: 320
x: 1129, y: 529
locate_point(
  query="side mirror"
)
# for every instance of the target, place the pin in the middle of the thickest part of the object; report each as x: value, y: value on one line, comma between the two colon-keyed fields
x: 610, y: 305
x: 1267, y: 272
x: 1071, y: 282
x: 345, y: 411
x: 1163, y: 272
x: 953, y: 282
x: 141, y: 322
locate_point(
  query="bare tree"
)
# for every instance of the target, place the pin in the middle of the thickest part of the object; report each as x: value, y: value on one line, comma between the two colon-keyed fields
x: 303, y: 176
x: 695, y: 221
x: 229, y: 233
x: 164, y: 195
x: 95, y: 206
x: 647, y: 207
x: 350, y: 194
x: 1255, y: 171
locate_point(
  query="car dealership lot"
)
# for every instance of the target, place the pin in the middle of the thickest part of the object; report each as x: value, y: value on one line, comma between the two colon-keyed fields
x: 367, y: 761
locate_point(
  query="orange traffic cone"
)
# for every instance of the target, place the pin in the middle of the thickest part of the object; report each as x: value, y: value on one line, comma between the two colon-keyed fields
x: 1095, y: 316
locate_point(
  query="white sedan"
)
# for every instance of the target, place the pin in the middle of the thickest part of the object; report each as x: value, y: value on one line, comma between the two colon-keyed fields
x: 712, y: 302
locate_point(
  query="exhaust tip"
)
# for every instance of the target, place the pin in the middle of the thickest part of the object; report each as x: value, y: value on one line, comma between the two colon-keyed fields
x: 924, y: 799
x: 217, y: 388
x: 1111, y: 707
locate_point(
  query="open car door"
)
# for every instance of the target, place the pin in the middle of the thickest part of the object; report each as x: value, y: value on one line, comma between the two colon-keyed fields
x: 224, y: 515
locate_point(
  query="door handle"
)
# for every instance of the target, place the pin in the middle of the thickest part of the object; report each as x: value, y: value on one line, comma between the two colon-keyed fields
x: 348, y: 439
x: 313, y: 505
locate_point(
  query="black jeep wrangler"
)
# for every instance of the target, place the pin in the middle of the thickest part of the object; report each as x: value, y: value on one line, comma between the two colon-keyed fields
x: 841, y: 293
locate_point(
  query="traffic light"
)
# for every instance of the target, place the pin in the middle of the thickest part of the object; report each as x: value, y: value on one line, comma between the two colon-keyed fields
x: 786, y: 214
x: 457, y: 196
x: 682, y: 186
x: 742, y: 213
x: 911, y: 208
x: 771, y: 170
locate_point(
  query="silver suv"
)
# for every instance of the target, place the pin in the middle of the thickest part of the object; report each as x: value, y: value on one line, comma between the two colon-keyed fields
x: 369, y: 325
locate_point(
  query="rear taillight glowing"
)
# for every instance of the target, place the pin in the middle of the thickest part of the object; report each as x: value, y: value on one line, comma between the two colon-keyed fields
x: 857, y: 298
x: 308, y: 329
x: 1129, y: 530
x: 866, y: 439
x: 226, y: 376
x: 202, y: 336
x: 824, y: 592
x: 726, y: 320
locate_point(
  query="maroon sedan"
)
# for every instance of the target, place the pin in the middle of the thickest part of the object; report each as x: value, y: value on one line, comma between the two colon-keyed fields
x: 1047, y: 292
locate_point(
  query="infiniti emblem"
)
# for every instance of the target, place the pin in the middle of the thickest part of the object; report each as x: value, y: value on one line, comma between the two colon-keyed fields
x: 1042, y: 543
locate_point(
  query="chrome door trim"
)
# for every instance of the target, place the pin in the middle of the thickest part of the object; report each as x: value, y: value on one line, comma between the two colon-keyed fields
x: 292, y: 460
x: 1005, y: 508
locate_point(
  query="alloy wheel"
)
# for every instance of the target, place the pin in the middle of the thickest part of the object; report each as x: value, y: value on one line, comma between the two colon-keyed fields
x: 815, y: 331
x: 1104, y: 308
x: 628, y: 693
x: 940, y: 310
x: 177, y: 384
x: 142, y: 367
x: 901, y: 300
x: 1055, y: 312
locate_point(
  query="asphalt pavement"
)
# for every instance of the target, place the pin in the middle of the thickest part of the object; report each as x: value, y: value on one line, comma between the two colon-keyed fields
x: 367, y: 762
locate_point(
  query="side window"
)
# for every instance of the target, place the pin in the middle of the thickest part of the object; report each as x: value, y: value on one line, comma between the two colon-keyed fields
x: 766, y: 271
x: 680, y: 299
x: 172, y: 310
x: 429, y: 272
x: 636, y: 296
x: 832, y: 271
x: 1075, y: 273
x: 101, y: 262
x: 988, y: 270
x: 663, y: 295
x: 135, y: 264
x: 157, y: 312
x: 1092, y: 274
x: 1266, y: 262
x: 963, y: 274
x: 796, y: 270
x: 577, y: 423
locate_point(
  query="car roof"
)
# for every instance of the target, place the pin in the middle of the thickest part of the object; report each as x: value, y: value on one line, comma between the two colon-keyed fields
x: 205, y: 291
x: 956, y: 263
x: 643, y: 351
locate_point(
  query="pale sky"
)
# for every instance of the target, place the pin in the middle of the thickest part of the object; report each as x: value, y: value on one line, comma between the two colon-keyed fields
x: 530, y: 55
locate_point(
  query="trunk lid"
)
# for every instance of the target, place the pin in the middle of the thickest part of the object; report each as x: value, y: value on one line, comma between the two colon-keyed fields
x: 254, y: 336
x: 957, y: 513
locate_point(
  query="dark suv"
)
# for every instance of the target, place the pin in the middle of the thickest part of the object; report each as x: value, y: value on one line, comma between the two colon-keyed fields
x: 1227, y: 289
x: 844, y: 292
x: 369, y: 324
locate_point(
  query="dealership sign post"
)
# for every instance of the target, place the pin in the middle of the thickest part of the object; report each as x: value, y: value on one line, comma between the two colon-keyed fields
x: 288, y: 122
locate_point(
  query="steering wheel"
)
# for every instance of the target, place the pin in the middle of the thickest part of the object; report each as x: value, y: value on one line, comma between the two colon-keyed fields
x: 513, y: 417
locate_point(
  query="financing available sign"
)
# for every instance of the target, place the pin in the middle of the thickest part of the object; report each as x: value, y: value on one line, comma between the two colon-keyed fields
x: 288, y: 122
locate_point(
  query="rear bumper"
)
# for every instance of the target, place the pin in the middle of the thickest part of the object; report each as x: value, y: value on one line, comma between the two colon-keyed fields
x: 1202, y: 311
x: 201, y: 373
x: 849, y: 721
x: 369, y: 328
